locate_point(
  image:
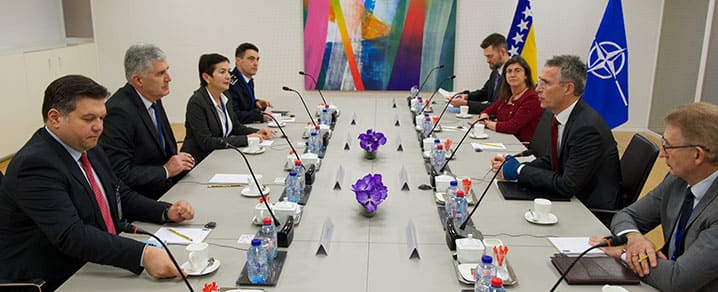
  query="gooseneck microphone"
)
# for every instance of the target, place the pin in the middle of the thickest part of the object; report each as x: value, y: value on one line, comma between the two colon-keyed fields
x: 428, y: 102
x: 612, y: 240
x: 444, y: 110
x: 286, y: 138
x: 129, y: 228
x: 457, y: 146
x: 521, y: 154
x: 304, y: 103
x: 315, y: 85
x: 256, y: 182
x: 427, y: 76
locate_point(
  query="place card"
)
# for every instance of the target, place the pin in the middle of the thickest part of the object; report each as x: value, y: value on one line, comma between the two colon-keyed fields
x: 325, y: 239
x: 339, y: 178
x: 399, y: 147
x: 354, y: 119
x: 404, y: 179
x: 411, y: 242
x: 348, y: 143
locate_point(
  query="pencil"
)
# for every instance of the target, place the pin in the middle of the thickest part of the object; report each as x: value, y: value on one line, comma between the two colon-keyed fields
x: 225, y: 186
x: 643, y: 258
x: 180, y: 234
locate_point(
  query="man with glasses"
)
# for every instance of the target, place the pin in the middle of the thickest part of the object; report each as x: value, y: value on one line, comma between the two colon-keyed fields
x: 583, y: 159
x: 684, y: 204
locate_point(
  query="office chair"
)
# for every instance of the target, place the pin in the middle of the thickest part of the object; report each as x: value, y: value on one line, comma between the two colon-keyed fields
x: 34, y: 285
x: 636, y: 164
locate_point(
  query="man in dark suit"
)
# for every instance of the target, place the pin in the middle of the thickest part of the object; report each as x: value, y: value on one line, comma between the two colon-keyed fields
x: 496, y: 54
x: 685, y: 204
x: 138, y: 138
x: 60, y: 203
x: 241, y: 92
x: 583, y: 158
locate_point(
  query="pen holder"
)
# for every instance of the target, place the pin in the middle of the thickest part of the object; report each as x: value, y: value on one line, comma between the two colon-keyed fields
x: 286, y: 234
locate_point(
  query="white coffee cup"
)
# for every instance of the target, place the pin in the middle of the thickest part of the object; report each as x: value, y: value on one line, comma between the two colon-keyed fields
x: 277, y: 117
x: 464, y: 110
x: 253, y: 144
x: 253, y: 186
x: 198, y: 255
x: 609, y: 288
x: 542, y: 209
x: 419, y: 120
x: 479, y: 130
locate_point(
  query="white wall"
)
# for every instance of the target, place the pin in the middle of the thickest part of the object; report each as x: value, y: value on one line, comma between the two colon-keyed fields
x: 185, y: 29
x: 30, y: 25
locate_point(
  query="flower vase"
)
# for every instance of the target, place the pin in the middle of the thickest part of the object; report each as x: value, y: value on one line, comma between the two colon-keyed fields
x: 370, y: 155
x: 366, y: 213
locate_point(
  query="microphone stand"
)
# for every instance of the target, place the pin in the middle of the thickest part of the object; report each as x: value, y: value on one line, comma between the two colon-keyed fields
x: 129, y: 228
x: 481, y: 198
x: 259, y: 188
x: 443, y: 111
x: 435, y: 91
x: 457, y: 146
x: 304, y: 103
x: 315, y: 85
x: 427, y: 76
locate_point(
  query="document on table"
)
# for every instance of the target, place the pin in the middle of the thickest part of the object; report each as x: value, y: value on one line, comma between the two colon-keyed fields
x: 573, y: 245
x: 488, y: 146
x: 182, y: 236
x: 446, y: 94
x: 229, y: 178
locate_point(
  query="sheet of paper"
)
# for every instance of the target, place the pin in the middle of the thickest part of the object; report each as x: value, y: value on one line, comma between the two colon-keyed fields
x: 446, y: 94
x: 229, y: 178
x: 488, y: 146
x: 573, y: 245
x: 266, y: 143
x: 167, y: 235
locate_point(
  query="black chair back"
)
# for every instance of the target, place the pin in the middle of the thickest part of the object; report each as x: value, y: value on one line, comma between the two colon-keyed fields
x: 636, y: 164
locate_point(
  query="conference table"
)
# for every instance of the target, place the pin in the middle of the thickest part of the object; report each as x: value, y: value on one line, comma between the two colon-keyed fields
x: 363, y: 254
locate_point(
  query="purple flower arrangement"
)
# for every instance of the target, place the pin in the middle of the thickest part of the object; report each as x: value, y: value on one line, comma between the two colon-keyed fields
x: 370, y: 191
x: 371, y: 140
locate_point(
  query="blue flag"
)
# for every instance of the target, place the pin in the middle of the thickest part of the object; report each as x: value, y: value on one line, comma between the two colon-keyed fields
x: 607, y: 72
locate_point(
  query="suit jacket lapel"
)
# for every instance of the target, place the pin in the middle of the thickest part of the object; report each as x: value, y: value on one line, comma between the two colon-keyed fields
x: 144, y: 115
x: 705, y: 201
x: 568, y: 127
x: 206, y: 99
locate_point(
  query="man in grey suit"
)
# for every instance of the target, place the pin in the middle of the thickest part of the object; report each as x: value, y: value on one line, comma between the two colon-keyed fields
x: 684, y: 204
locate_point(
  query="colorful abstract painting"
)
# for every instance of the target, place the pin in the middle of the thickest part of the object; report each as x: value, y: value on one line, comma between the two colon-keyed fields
x: 378, y: 44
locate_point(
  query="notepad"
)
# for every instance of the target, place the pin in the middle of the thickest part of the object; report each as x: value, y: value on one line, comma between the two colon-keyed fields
x: 573, y: 245
x: 488, y: 146
x: 229, y: 178
x: 169, y: 237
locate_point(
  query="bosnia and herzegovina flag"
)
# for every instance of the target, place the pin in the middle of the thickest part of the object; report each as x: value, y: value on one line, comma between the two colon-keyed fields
x: 520, y: 39
x: 607, y: 72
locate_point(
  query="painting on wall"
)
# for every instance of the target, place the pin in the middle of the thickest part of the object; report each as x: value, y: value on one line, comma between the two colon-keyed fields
x: 378, y: 44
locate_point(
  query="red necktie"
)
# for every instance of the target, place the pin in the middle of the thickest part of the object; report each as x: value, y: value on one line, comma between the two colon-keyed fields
x: 101, y: 202
x: 554, y: 145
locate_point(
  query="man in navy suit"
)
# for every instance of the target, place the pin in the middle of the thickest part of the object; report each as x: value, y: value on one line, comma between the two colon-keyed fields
x: 584, y: 162
x: 138, y: 138
x: 496, y: 54
x: 60, y: 203
x: 241, y: 91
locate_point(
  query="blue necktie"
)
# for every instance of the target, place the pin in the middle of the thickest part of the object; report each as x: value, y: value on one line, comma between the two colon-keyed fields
x: 251, y: 92
x: 683, y: 216
x: 158, y: 124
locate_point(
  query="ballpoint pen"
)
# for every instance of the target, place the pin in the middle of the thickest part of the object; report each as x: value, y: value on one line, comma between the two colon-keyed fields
x: 225, y: 186
x: 180, y: 234
x: 490, y: 144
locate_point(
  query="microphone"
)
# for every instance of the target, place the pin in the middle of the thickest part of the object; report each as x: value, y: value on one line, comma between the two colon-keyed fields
x: 256, y: 182
x: 304, y: 103
x: 612, y: 240
x: 315, y: 85
x: 427, y: 76
x: 444, y: 110
x: 526, y: 152
x: 129, y: 228
x: 286, y: 138
x: 436, y: 90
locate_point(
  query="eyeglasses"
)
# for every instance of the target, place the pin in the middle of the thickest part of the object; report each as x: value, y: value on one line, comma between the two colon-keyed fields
x: 667, y: 147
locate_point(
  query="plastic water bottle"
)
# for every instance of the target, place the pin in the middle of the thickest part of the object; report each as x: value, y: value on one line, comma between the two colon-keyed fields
x: 497, y: 285
x: 324, y: 117
x: 414, y: 91
x: 428, y: 124
x: 312, y: 143
x: 433, y: 148
x: 449, y: 202
x: 438, y: 158
x: 268, y: 235
x: 484, y: 273
x: 257, y: 263
x: 460, y: 206
x: 299, y: 169
x: 319, y: 142
x: 291, y: 188
x: 419, y: 105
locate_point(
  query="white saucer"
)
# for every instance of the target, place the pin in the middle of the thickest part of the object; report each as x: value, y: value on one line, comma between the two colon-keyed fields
x: 460, y: 116
x: 210, y: 269
x: 245, y: 192
x: 484, y: 136
x: 552, y: 219
x: 245, y: 150
x: 272, y: 124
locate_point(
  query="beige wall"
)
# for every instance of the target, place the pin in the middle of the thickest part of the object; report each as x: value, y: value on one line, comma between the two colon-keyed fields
x: 185, y: 29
